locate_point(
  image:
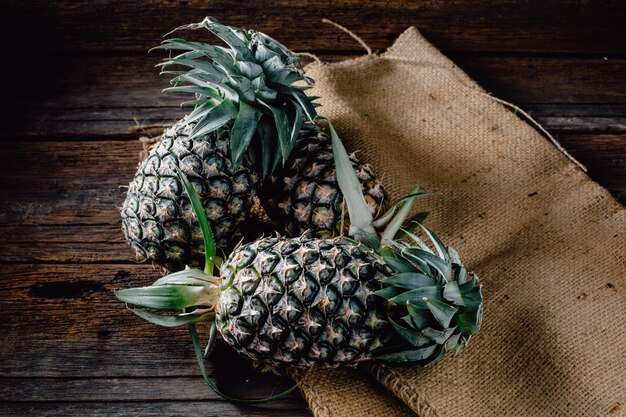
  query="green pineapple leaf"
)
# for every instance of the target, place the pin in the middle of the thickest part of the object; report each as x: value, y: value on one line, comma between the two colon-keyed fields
x: 212, y: 338
x: 282, y: 128
x: 361, y: 220
x: 451, y: 292
x: 443, y: 312
x: 252, y: 77
x: 388, y: 292
x: 411, y: 355
x: 295, y: 128
x: 269, y: 143
x: 227, y: 34
x: 395, y: 222
x: 170, y: 321
x: 204, y: 68
x: 437, y: 243
x: 419, y: 295
x: 184, y: 277
x: 421, y: 257
x: 409, y: 280
x: 416, y: 239
x: 244, y: 128
x: 199, y: 91
x: 166, y: 297
x: 216, y: 118
x: 439, y: 336
x: 418, y: 316
x: 250, y: 70
x: 198, y: 208
x: 398, y: 265
x: 305, y: 103
x: 219, y: 55
x: 412, y: 223
x: 412, y: 337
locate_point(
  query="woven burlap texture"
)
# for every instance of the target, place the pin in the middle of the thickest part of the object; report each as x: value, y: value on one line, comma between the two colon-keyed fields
x: 548, y: 243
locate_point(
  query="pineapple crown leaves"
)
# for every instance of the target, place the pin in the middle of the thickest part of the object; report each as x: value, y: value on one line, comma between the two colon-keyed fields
x: 434, y: 303
x: 195, y: 293
x: 251, y: 83
x: 362, y: 224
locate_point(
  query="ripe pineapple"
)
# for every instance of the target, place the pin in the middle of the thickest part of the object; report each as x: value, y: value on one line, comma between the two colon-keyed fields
x: 307, y: 301
x: 303, y: 301
x: 305, y: 197
x: 247, y: 117
x: 158, y: 220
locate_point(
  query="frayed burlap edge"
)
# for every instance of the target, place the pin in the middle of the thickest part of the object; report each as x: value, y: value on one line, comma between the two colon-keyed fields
x: 321, y: 387
x: 398, y: 385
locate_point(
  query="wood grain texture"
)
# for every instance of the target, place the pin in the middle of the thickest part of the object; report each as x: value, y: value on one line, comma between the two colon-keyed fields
x: 97, y: 81
x: 96, y: 98
x: 171, y: 408
x: 509, y: 25
x: 59, y: 123
x: 133, y: 389
x: 80, y: 78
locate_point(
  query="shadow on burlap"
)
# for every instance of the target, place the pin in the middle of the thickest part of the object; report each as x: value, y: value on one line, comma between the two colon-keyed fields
x: 547, y: 242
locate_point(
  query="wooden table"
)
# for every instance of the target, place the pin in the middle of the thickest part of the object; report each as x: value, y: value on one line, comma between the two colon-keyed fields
x: 76, y: 77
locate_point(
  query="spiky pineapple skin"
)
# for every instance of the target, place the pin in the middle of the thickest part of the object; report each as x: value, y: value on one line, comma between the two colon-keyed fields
x: 304, y: 197
x: 157, y: 218
x: 303, y: 301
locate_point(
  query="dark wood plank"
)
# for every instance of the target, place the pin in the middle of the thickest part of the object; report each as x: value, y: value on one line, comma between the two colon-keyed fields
x: 67, y: 243
x: 604, y: 156
x: 131, y: 81
x: 64, y: 321
x: 146, y: 409
x: 102, y: 97
x: 123, y: 123
x: 127, y: 389
x: 85, y: 178
x: 575, y: 118
x: 547, y: 79
x: 511, y: 25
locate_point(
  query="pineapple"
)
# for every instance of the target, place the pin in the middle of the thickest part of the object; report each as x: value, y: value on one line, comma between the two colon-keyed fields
x: 304, y: 197
x: 306, y: 301
x: 159, y: 223
x: 303, y: 301
x: 248, y: 112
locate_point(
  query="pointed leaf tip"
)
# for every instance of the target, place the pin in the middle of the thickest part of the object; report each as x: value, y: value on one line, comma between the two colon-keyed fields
x: 443, y: 312
x: 243, y: 130
x: 361, y: 219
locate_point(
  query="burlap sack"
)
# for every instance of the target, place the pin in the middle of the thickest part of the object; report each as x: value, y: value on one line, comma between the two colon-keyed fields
x: 548, y: 243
